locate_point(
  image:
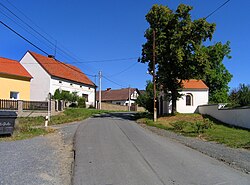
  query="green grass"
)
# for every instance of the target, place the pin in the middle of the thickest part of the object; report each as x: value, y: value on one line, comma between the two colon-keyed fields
x: 194, y: 125
x: 29, y: 127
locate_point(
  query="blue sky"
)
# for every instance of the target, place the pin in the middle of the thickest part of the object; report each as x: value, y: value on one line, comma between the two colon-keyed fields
x: 98, y: 33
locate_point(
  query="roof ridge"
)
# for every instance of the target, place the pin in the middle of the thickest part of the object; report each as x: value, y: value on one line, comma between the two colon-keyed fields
x: 63, y: 70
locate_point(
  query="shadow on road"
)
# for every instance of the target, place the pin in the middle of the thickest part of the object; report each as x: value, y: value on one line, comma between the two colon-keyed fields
x: 119, y: 115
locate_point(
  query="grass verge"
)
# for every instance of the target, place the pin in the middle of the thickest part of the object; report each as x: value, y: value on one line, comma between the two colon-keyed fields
x: 195, y: 125
x: 29, y: 127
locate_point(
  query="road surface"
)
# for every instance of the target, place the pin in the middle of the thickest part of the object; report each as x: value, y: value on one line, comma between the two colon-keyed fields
x: 111, y: 150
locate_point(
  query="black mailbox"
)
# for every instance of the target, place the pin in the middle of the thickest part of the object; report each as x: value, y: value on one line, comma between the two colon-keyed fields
x: 7, y: 122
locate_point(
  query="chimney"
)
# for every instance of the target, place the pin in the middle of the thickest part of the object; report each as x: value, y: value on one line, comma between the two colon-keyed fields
x: 108, y: 89
x: 51, y: 56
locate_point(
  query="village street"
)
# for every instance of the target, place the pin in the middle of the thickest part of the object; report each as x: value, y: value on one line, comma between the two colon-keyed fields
x: 111, y: 150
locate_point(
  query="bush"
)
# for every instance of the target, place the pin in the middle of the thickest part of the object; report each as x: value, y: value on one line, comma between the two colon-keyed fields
x: 179, y: 125
x: 81, y: 103
x: 240, y: 96
x: 200, y: 126
x: 91, y: 107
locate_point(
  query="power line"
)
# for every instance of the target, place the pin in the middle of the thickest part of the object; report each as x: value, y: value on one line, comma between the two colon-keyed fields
x: 112, y: 81
x: 65, y: 54
x: 110, y: 60
x: 124, y: 70
x: 23, y: 38
x: 217, y: 9
x: 23, y: 27
x: 26, y: 24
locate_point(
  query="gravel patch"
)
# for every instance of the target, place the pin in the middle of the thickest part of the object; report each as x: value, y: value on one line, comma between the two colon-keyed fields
x: 236, y: 158
x: 43, y: 160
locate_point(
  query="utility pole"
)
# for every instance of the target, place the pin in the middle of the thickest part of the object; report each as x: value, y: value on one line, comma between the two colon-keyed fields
x: 129, y: 102
x: 100, y: 91
x: 155, y: 109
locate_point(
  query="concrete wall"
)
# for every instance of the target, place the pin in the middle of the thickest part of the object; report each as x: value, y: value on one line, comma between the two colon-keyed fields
x: 40, y: 83
x: 238, y: 117
x: 14, y: 84
x: 110, y: 106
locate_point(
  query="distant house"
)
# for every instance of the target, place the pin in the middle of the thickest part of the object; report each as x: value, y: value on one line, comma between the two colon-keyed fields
x: 119, y: 96
x: 194, y: 93
x: 14, y: 80
x: 50, y: 74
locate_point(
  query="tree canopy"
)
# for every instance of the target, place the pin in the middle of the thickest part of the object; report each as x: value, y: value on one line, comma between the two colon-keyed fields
x: 180, y: 50
x: 146, y: 99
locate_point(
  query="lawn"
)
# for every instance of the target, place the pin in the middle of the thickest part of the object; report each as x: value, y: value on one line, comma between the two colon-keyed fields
x: 206, y: 128
x: 28, y: 127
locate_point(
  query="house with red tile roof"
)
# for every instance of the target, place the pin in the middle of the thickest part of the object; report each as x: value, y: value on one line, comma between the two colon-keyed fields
x: 194, y: 93
x: 50, y: 74
x: 119, y: 96
x: 14, y: 80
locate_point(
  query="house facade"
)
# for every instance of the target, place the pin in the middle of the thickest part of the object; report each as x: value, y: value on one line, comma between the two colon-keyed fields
x: 14, y: 80
x: 125, y: 96
x: 194, y: 93
x: 50, y: 74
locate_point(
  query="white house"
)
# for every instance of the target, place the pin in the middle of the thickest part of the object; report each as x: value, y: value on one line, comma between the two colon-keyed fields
x: 119, y: 96
x: 194, y: 93
x: 50, y: 74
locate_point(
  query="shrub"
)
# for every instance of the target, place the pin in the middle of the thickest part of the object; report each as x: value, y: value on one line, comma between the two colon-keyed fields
x: 200, y: 126
x: 81, y: 103
x: 179, y: 125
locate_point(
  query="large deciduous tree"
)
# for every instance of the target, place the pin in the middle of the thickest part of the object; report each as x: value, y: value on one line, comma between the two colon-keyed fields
x: 216, y: 75
x: 180, y: 50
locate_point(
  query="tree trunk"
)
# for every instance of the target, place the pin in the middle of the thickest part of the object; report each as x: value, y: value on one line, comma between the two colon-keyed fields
x: 174, y: 99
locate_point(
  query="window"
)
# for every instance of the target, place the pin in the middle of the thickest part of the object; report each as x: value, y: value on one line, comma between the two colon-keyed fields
x: 71, y: 84
x: 14, y: 95
x: 80, y: 86
x: 86, y: 97
x: 60, y: 82
x: 189, y: 100
x: 118, y: 103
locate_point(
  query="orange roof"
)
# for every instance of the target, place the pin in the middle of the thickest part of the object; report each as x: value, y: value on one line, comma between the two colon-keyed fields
x: 194, y: 84
x: 117, y: 94
x: 13, y: 67
x: 61, y: 70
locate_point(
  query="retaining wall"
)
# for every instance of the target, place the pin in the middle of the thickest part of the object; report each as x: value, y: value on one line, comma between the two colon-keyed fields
x: 239, y: 117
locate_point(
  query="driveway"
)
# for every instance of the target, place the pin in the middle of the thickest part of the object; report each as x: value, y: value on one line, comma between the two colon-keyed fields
x: 111, y: 150
x: 43, y: 160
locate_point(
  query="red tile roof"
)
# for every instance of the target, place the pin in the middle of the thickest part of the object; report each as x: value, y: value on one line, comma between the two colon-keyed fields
x: 194, y: 84
x: 61, y: 70
x: 13, y: 67
x: 115, y: 95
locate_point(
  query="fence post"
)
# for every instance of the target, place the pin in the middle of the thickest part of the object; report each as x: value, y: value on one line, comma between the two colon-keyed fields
x: 20, y: 107
x: 53, y: 106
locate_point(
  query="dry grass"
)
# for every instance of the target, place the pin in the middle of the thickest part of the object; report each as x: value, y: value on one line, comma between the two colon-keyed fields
x: 167, y: 120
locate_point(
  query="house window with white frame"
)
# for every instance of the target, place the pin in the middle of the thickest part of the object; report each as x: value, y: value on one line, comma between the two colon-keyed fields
x: 189, y: 99
x: 14, y: 95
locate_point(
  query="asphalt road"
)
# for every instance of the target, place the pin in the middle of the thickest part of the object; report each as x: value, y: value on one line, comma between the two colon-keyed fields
x: 112, y: 150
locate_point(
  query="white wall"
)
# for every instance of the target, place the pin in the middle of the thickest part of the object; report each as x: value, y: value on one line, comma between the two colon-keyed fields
x: 200, y: 97
x: 134, y: 95
x: 75, y: 87
x: 40, y: 83
x: 236, y: 117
